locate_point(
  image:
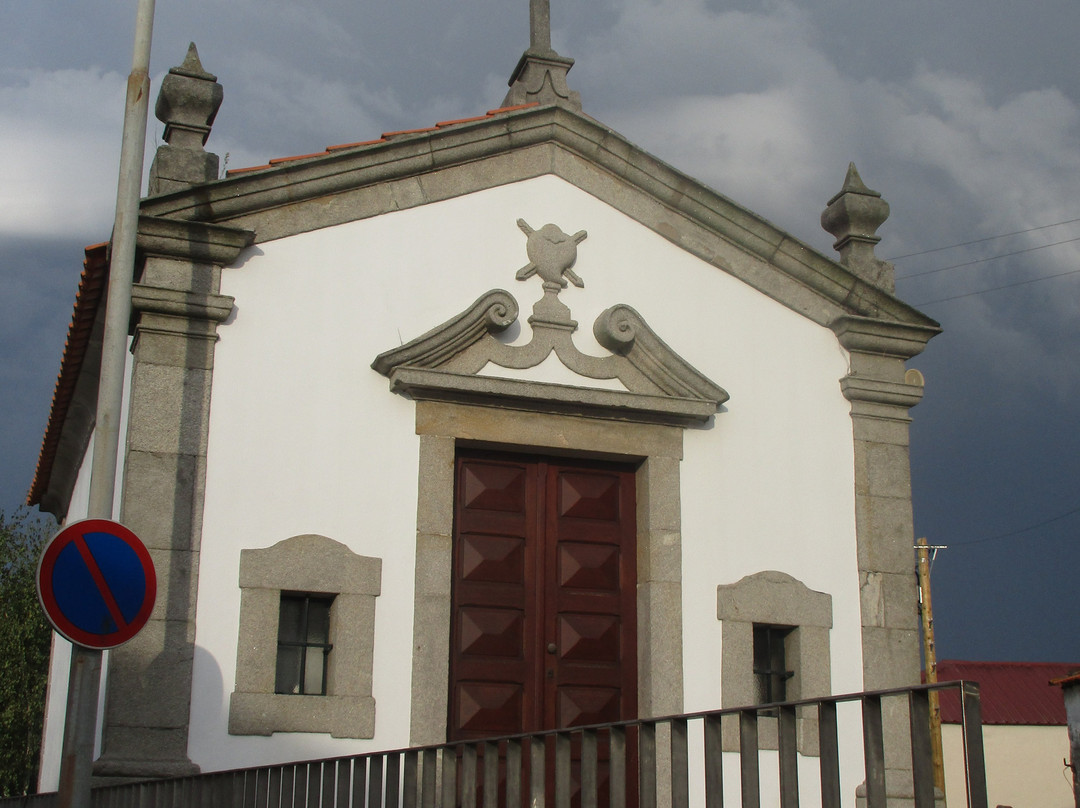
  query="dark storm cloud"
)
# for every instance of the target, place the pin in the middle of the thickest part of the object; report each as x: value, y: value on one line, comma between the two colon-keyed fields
x: 965, y: 116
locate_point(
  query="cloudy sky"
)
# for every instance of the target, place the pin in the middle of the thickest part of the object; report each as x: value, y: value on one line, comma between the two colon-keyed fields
x: 965, y: 115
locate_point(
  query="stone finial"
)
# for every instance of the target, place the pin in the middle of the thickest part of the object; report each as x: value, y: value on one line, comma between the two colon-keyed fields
x: 540, y: 75
x: 187, y: 104
x: 853, y: 217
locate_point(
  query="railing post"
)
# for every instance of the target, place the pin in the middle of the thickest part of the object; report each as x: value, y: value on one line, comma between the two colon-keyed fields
x: 828, y: 749
x: 375, y: 782
x: 562, y: 770
x: 680, y: 765
x: 974, y: 762
x: 288, y: 787
x: 273, y: 788
x: 468, y: 777
x: 789, y: 758
x: 714, y: 762
x: 448, y: 757
x: 873, y: 752
x: 647, y: 765
x: 491, y: 775
x: 329, y: 779
x: 359, y: 780
x: 427, y: 791
x: 617, y: 767
x: 922, y: 763
x: 514, y: 773
x: 537, y: 771
x: 590, y: 777
x: 344, y: 784
x: 393, y: 780
x: 750, y: 776
x: 409, y: 782
x: 314, y: 792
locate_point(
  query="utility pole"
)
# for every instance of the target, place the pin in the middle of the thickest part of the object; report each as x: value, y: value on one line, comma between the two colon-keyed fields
x: 926, y: 611
x: 84, y: 681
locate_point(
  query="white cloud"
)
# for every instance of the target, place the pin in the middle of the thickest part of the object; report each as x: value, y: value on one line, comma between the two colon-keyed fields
x: 59, y: 151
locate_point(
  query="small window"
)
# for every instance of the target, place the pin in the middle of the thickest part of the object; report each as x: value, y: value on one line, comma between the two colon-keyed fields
x: 770, y: 663
x: 303, y: 644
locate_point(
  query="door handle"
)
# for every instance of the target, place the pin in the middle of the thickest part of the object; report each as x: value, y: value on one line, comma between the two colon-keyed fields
x: 552, y: 648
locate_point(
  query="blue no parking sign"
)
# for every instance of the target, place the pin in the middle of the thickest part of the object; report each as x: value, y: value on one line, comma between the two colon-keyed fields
x: 96, y: 583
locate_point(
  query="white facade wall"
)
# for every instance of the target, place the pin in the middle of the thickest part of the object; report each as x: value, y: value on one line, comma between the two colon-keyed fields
x: 306, y: 438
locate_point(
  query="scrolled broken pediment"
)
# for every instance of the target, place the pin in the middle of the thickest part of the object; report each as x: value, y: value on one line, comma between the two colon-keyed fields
x: 491, y: 313
x: 446, y: 362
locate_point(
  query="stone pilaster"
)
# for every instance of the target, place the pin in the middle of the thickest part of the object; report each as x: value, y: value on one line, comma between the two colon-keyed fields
x: 881, y: 391
x: 177, y: 308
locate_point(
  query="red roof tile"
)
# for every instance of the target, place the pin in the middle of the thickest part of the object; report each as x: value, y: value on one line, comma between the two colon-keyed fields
x: 385, y: 137
x: 1012, y: 692
x: 501, y: 110
x: 91, y: 288
x: 442, y: 124
x: 388, y: 135
x: 353, y: 145
x: 277, y: 160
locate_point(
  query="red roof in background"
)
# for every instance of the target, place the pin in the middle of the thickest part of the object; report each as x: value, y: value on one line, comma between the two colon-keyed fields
x: 1012, y: 692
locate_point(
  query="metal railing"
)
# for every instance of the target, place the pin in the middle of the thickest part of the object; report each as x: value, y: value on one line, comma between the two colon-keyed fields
x: 709, y: 759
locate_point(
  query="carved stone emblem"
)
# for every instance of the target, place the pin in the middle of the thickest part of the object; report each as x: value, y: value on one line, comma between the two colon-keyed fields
x: 551, y: 253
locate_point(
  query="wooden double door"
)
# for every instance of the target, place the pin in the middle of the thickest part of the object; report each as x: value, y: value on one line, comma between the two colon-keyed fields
x: 544, y: 632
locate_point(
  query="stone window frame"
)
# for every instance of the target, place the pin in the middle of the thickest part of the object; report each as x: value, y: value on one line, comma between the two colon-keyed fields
x: 443, y: 427
x: 320, y: 566
x: 774, y: 598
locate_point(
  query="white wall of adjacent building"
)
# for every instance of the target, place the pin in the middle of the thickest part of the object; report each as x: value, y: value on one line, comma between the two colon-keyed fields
x: 1024, y: 765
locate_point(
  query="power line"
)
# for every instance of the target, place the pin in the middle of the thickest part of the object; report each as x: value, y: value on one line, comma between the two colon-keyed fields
x: 985, y: 260
x: 981, y: 240
x: 1011, y: 533
x: 995, y: 288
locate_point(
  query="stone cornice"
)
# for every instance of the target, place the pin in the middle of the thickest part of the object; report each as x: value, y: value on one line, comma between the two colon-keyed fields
x: 883, y: 337
x: 180, y: 303
x: 617, y: 405
x: 528, y: 143
x: 878, y: 391
x: 191, y: 240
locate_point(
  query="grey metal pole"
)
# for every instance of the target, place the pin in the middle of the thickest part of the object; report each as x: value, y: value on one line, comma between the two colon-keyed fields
x: 84, y: 681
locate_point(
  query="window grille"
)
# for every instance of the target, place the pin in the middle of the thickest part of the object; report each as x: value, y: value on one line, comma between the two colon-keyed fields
x: 303, y: 644
x: 770, y: 662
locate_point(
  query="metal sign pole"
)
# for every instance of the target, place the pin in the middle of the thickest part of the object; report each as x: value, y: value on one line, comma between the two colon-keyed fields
x: 85, y: 673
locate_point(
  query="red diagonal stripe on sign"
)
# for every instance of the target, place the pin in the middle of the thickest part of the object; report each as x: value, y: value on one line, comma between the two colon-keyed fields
x: 99, y: 580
